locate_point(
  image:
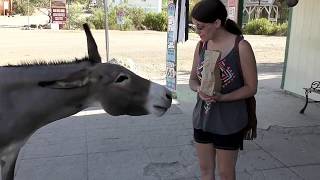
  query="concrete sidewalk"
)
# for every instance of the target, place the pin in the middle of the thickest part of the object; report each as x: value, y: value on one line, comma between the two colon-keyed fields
x: 101, y: 147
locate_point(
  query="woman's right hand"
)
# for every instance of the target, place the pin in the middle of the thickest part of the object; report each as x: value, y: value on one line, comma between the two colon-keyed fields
x: 205, y: 97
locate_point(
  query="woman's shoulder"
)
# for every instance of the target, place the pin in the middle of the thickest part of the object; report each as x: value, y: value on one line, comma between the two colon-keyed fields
x: 244, y: 45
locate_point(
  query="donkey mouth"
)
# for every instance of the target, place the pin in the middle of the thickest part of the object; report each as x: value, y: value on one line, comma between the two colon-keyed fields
x: 157, y: 107
x: 159, y: 110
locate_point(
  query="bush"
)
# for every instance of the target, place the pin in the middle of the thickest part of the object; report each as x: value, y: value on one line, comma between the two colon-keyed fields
x: 137, y: 16
x: 265, y: 27
x: 259, y: 27
x: 134, y: 18
x: 21, y: 7
x: 112, y: 18
x: 75, y: 18
x: 156, y: 21
x: 282, y: 29
x: 97, y: 18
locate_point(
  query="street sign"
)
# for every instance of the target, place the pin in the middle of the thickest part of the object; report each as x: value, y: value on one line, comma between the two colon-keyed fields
x: 59, y: 12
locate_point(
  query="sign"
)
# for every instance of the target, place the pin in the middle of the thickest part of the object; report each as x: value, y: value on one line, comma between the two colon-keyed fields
x: 171, y: 68
x: 232, y: 13
x: 59, y: 15
x: 261, y: 2
x: 233, y: 10
x: 58, y: 3
x: 232, y: 3
x: 120, y: 17
x: 58, y: 12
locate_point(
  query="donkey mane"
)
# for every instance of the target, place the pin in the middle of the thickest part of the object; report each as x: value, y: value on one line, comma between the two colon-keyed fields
x: 49, y: 63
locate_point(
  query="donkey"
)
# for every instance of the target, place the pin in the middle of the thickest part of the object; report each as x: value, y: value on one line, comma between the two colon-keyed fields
x: 34, y: 95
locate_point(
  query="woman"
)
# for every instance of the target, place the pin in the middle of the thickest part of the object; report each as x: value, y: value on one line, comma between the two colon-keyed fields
x: 218, y: 120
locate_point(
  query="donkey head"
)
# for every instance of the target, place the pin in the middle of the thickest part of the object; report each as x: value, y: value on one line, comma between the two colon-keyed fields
x: 118, y: 90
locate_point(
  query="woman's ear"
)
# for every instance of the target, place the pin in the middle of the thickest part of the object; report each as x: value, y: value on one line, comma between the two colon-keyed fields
x: 217, y: 23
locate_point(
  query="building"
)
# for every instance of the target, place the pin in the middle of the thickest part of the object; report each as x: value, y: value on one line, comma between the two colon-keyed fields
x: 255, y: 9
x: 302, y: 60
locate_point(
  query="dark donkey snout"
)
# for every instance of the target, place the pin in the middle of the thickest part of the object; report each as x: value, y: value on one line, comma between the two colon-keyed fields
x: 169, y: 95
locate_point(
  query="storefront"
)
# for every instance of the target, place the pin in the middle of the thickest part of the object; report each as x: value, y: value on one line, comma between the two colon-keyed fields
x: 302, y: 60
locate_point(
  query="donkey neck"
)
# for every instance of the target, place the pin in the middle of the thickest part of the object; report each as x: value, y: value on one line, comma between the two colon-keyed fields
x: 30, y: 106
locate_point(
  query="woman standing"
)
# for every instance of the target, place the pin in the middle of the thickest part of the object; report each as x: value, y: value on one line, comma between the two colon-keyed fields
x: 219, y: 120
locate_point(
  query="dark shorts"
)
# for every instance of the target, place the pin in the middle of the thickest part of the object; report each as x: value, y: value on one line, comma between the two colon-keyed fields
x: 225, y: 142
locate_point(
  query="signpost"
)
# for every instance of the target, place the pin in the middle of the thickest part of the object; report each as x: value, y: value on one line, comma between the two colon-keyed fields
x: 106, y: 25
x: 120, y: 17
x: 235, y: 8
x: 171, y: 68
x: 232, y: 10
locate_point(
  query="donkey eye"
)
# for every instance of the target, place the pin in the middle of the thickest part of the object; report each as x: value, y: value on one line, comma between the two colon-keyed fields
x: 121, y: 78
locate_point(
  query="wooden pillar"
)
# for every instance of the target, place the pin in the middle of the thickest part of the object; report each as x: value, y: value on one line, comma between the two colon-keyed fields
x: 11, y: 7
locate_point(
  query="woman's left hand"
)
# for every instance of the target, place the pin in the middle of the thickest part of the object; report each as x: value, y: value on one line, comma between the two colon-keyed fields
x: 216, y: 97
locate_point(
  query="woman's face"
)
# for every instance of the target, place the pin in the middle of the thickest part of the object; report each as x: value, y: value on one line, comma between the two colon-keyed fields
x: 203, y: 29
x: 206, y: 31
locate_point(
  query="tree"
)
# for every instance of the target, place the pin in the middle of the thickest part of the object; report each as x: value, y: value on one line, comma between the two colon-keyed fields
x: 283, y: 10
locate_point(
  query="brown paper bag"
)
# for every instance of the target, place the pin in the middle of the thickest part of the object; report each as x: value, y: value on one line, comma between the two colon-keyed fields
x: 210, y: 81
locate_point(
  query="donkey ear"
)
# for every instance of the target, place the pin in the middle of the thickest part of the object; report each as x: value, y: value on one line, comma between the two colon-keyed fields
x: 92, y: 46
x: 75, y: 80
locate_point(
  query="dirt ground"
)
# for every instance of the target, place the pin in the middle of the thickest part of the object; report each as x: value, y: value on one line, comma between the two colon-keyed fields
x: 147, y: 49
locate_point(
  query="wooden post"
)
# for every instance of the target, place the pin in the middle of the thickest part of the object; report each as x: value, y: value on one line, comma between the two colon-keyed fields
x: 106, y: 30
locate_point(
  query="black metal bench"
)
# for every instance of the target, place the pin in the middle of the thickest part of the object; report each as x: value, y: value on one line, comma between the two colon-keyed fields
x: 315, y: 88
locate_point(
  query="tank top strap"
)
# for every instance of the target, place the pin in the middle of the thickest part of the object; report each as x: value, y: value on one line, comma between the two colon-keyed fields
x: 236, y: 48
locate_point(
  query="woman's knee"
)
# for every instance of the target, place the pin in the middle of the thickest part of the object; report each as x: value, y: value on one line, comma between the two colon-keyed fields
x: 227, y: 164
x: 206, y: 169
x: 227, y: 174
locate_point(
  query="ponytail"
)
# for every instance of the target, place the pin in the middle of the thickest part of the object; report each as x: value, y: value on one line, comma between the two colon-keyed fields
x: 232, y: 27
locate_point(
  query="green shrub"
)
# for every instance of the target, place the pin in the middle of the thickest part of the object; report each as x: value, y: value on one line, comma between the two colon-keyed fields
x: 75, y: 18
x: 97, y: 18
x: 112, y: 18
x: 282, y: 29
x: 137, y: 16
x: 134, y: 18
x: 156, y: 21
x: 21, y: 7
x: 265, y: 27
x: 259, y: 27
x: 128, y: 23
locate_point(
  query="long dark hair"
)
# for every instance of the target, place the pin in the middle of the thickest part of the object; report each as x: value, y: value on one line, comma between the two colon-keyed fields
x: 207, y: 11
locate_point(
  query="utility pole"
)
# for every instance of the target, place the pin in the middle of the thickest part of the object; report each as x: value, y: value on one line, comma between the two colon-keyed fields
x: 28, y: 14
x: 106, y: 28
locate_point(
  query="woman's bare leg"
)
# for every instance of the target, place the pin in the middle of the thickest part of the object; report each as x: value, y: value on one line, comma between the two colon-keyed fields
x: 206, y: 155
x: 226, y: 162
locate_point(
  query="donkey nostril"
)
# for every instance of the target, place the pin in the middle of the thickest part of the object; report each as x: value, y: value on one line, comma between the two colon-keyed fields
x: 169, y: 95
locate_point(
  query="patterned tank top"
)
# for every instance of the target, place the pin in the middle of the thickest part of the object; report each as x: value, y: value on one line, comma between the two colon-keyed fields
x: 222, y: 117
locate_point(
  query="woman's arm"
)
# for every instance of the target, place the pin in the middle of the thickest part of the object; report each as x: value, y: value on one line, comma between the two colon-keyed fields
x: 194, y: 82
x: 249, y: 70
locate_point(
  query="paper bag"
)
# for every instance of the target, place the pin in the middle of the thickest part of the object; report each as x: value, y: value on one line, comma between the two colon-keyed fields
x: 210, y: 81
